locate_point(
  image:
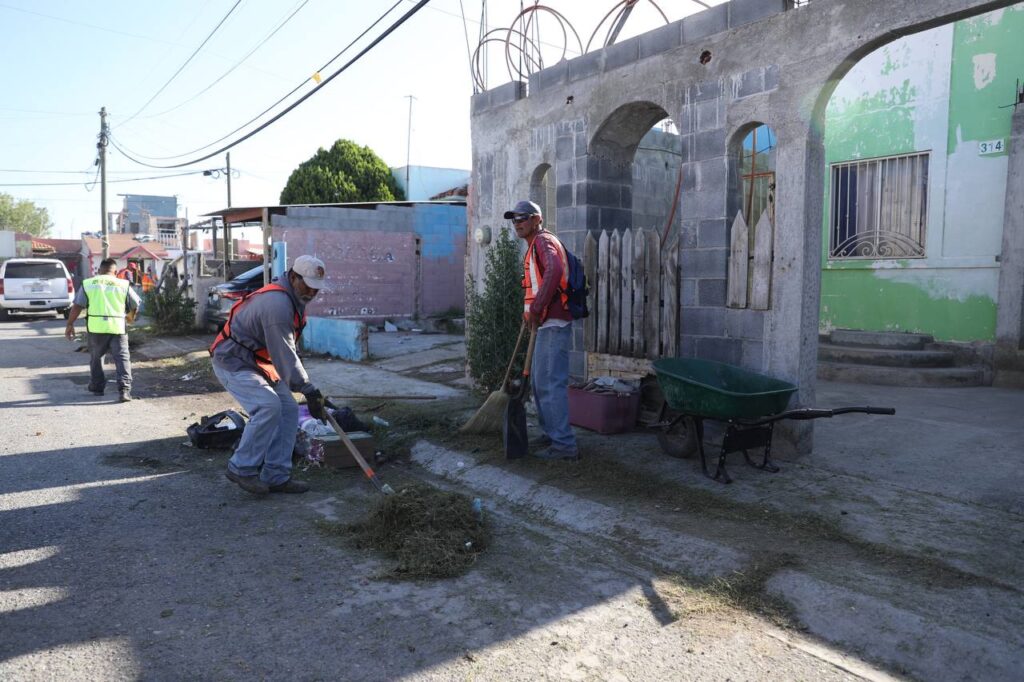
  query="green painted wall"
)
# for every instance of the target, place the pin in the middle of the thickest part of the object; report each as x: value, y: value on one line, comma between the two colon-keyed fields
x: 939, y: 91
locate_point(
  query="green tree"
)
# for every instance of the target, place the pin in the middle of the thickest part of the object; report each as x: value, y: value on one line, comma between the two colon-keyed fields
x: 493, y: 317
x: 345, y: 172
x: 21, y: 215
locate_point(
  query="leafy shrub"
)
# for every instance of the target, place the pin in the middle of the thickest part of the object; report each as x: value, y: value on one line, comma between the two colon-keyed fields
x: 493, y: 317
x: 170, y: 309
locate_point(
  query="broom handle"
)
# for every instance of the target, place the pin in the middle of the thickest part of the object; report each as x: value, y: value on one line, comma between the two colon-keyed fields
x: 512, y: 360
x: 356, y: 455
x: 529, y: 353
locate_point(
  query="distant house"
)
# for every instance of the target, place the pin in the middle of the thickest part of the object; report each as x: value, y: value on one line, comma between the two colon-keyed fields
x: 156, y: 217
x: 68, y: 251
x: 149, y: 256
x: 429, y: 182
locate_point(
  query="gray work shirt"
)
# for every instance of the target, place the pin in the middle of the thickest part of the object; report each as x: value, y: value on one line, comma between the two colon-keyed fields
x: 130, y: 305
x: 266, y: 321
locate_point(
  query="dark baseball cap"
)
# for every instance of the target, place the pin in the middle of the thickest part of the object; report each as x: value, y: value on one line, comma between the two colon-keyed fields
x: 523, y: 208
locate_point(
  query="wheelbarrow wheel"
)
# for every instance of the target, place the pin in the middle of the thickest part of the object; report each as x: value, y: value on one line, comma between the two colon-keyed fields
x: 679, y: 439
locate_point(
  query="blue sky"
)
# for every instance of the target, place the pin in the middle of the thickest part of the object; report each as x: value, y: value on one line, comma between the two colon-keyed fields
x: 64, y: 59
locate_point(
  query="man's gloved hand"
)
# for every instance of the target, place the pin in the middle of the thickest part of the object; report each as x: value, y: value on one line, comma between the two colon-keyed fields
x: 315, y: 403
x: 330, y: 405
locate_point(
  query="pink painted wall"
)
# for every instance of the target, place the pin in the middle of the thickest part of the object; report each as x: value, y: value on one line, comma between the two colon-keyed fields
x: 370, y: 275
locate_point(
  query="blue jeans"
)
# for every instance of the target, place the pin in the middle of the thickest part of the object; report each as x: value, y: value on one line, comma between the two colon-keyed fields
x: 269, y: 438
x: 549, y: 373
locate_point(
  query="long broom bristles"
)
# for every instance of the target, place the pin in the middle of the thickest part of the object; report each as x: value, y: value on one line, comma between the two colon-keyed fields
x: 490, y: 416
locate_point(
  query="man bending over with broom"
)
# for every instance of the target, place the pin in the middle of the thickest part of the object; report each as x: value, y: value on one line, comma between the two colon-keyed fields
x: 545, y: 279
x: 254, y: 357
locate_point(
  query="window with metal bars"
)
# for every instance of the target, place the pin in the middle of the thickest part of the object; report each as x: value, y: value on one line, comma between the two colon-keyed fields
x: 879, y: 208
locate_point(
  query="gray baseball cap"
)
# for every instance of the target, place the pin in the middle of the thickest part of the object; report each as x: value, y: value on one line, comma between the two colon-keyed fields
x: 523, y: 208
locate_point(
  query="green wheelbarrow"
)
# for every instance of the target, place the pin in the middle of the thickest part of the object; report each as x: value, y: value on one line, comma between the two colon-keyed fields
x: 748, y: 403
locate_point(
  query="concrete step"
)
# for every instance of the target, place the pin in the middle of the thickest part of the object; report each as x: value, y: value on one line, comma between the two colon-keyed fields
x: 884, y: 357
x: 895, y: 340
x: 901, y: 376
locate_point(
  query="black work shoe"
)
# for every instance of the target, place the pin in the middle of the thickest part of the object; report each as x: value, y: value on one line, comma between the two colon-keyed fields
x: 290, y: 486
x: 125, y: 397
x: 95, y: 391
x: 541, y: 441
x: 554, y: 454
x: 250, y: 484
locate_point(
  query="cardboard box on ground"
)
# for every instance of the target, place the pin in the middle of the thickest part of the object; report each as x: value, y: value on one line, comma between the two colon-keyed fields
x: 337, y: 456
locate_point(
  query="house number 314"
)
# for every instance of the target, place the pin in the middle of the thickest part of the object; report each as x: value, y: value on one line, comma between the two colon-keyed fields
x: 991, y: 147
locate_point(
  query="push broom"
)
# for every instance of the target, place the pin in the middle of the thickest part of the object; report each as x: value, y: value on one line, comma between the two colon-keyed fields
x: 489, y: 418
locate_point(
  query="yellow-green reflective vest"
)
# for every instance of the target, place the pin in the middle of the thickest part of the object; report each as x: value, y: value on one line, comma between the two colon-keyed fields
x: 108, y: 297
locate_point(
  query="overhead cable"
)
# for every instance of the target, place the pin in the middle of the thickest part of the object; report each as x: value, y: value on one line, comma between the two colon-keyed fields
x: 186, y: 62
x: 67, y: 184
x: 405, y: 17
x: 131, y: 154
x: 236, y: 64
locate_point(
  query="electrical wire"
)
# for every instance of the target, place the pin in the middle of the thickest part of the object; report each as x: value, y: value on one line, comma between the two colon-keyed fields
x: 67, y: 184
x: 405, y: 17
x: 131, y: 154
x: 186, y: 62
x: 236, y: 64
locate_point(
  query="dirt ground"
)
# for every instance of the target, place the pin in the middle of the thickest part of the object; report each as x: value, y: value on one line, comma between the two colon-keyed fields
x: 125, y: 554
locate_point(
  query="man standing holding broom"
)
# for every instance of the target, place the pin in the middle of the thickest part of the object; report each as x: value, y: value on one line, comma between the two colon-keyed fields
x: 545, y: 279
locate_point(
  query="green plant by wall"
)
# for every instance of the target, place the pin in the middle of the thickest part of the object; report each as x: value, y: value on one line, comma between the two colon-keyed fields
x: 170, y: 309
x: 493, y: 317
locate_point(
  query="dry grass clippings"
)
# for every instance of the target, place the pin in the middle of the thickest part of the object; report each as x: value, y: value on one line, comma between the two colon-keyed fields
x: 430, y: 533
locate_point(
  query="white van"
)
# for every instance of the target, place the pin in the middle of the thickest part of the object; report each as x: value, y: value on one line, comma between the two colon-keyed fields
x: 35, y: 284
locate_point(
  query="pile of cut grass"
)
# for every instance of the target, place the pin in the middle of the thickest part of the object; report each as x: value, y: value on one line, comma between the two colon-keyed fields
x: 428, y: 532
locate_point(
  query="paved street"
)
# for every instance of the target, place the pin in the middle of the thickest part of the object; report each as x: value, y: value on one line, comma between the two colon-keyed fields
x: 124, y: 555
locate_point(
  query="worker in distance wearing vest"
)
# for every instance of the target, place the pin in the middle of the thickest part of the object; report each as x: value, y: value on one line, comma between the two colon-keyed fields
x: 254, y: 357
x: 108, y: 300
x: 545, y: 280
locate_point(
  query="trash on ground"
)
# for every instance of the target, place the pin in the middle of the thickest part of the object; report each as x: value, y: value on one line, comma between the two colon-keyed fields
x: 388, y: 327
x: 380, y: 421
x: 430, y: 533
x: 187, y: 377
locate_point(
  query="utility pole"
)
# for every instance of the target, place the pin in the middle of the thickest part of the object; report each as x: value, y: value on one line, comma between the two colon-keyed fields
x: 408, y: 150
x: 228, y: 157
x: 102, y: 146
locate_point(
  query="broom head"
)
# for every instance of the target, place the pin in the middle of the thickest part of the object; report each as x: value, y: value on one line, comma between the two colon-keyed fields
x: 489, y: 418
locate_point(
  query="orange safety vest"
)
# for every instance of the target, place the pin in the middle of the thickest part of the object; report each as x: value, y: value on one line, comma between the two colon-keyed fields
x: 532, y: 280
x: 264, y: 364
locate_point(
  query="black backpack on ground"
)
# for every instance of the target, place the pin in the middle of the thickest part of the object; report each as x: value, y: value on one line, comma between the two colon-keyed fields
x: 211, y: 432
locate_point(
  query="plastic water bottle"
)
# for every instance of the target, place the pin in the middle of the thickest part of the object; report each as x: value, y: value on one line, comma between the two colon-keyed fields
x: 478, y: 509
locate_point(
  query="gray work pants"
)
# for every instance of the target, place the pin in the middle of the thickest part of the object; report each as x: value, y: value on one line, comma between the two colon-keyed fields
x: 117, y: 346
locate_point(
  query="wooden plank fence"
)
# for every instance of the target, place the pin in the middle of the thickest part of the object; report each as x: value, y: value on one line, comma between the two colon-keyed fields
x: 634, y: 295
x: 750, y: 275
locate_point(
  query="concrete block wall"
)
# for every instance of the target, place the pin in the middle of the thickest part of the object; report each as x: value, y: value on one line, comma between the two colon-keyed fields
x: 763, y: 62
x: 427, y: 241
x: 370, y: 275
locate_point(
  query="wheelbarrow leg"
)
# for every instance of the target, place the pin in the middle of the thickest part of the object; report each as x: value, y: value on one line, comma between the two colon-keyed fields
x: 766, y: 463
x: 720, y: 474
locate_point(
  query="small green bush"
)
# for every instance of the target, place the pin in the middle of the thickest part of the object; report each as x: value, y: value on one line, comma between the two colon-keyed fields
x: 171, y: 311
x: 493, y: 317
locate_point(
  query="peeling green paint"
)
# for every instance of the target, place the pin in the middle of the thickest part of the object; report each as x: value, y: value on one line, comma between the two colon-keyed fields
x: 857, y: 299
x: 878, y: 125
x: 987, y: 61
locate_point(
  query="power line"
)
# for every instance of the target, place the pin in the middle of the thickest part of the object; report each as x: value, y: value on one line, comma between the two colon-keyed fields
x: 186, y: 63
x: 262, y: 113
x: 236, y: 64
x: 405, y: 17
x: 68, y: 184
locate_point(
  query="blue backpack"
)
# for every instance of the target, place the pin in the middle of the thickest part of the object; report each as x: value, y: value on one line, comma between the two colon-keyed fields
x: 578, y: 288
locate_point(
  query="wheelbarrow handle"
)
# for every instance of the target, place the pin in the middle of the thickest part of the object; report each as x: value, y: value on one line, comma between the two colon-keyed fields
x: 816, y: 413
x: 865, y: 410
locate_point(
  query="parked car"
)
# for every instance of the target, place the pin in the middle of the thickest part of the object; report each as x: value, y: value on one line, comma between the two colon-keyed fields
x: 35, y: 285
x: 221, y: 297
